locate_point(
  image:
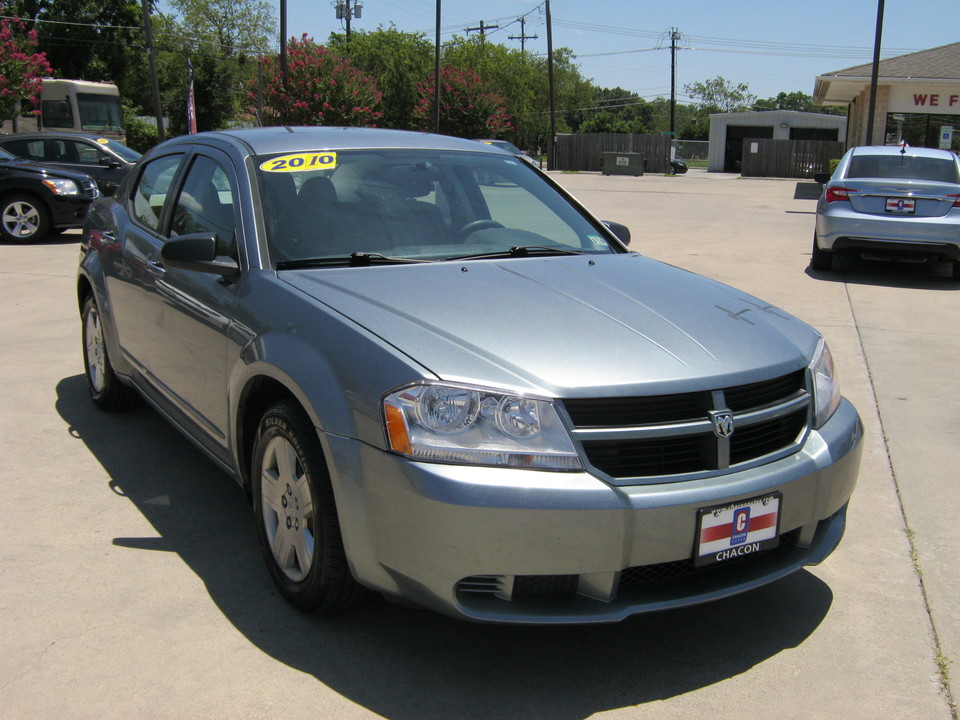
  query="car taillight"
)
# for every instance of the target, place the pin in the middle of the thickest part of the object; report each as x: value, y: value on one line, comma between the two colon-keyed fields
x: 838, y: 193
x: 956, y: 200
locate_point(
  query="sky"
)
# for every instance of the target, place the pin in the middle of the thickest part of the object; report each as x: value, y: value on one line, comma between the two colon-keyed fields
x: 771, y: 45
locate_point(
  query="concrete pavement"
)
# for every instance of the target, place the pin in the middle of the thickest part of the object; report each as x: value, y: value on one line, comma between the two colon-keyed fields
x: 131, y: 583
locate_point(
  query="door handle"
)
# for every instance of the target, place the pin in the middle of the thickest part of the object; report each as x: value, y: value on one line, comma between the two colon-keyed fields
x: 154, y: 267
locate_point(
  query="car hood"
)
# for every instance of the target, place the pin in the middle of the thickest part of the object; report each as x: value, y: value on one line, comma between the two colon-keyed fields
x: 45, y: 170
x: 570, y: 326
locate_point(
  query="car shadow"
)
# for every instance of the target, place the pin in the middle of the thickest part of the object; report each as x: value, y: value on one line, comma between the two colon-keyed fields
x: 893, y: 274
x: 409, y: 664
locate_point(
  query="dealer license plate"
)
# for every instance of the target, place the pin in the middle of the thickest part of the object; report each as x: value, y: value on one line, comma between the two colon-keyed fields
x: 901, y: 206
x: 732, y: 531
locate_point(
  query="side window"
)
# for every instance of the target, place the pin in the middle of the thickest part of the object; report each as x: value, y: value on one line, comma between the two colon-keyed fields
x: 83, y: 152
x: 32, y: 149
x: 56, y: 114
x: 151, y: 189
x: 205, y: 204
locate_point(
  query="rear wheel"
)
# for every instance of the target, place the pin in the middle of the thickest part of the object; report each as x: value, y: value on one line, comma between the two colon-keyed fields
x: 820, y: 259
x: 106, y: 389
x: 296, y: 513
x: 23, y: 219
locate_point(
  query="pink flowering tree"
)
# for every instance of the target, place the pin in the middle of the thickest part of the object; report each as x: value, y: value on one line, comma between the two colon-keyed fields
x: 21, y: 69
x: 469, y: 106
x: 322, y: 89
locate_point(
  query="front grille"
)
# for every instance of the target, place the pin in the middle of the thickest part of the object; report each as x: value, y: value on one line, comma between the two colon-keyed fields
x: 764, y: 438
x: 89, y: 188
x: 671, y: 435
x: 642, y: 458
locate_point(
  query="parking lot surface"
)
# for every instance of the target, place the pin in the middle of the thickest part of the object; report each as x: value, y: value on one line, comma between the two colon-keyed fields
x: 131, y: 583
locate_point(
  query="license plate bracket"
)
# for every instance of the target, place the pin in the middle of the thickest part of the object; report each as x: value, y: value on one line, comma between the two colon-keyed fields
x: 734, y: 530
x: 901, y: 206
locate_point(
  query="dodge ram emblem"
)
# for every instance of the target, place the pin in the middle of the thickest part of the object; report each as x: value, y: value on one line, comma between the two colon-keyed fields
x: 722, y: 423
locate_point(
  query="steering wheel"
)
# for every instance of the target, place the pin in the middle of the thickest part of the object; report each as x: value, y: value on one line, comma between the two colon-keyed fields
x: 472, y: 227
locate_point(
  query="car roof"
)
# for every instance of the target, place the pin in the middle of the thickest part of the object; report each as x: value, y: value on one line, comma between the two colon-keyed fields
x: 268, y: 140
x: 53, y: 134
x: 910, y: 151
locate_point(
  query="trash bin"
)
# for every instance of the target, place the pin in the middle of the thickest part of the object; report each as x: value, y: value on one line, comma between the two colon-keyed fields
x: 622, y: 163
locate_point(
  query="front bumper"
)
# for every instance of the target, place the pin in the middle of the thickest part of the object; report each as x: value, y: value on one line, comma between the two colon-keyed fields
x: 540, y: 547
x: 69, y: 211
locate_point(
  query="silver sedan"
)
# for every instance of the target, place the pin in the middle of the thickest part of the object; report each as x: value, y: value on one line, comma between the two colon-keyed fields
x: 440, y: 378
x: 891, y: 202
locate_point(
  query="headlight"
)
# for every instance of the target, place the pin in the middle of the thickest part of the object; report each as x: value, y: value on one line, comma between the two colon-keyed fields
x: 62, y: 186
x: 826, y: 389
x: 475, y: 426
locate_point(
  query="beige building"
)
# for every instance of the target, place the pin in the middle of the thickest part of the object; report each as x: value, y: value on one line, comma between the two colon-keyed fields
x: 918, y: 99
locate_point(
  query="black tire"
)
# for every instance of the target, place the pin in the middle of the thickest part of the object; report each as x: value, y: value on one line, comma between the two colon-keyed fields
x: 956, y: 269
x: 23, y: 219
x: 296, y: 514
x: 821, y: 260
x: 106, y: 390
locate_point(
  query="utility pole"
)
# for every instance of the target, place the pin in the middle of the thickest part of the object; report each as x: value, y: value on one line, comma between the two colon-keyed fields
x: 154, y: 84
x: 674, y: 36
x: 552, y: 142
x: 483, y: 30
x: 874, y: 73
x: 283, y: 58
x: 346, y: 13
x: 436, y: 77
x: 523, y: 37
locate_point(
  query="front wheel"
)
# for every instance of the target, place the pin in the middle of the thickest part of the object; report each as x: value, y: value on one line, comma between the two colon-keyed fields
x: 23, y: 219
x: 296, y: 514
x: 820, y: 259
x: 106, y: 389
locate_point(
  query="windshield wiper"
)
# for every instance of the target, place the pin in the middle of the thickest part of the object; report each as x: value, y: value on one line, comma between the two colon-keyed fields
x: 518, y: 251
x: 355, y: 259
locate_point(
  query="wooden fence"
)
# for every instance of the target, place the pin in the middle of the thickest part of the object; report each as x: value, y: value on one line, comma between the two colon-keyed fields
x: 788, y: 158
x: 585, y: 151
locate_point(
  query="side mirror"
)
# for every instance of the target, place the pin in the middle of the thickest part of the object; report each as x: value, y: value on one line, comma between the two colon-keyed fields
x: 109, y: 162
x: 198, y: 252
x: 621, y: 231
x: 822, y: 178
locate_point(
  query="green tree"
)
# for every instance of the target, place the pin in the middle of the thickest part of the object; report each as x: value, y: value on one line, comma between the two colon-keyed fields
x: 236, y: 27
x: 396, y: 60
x: 220, y: 38
x: 614, y: 110
x: 321, y: 89
x: 798, y: 101
x: 87, y: 39
x: 21, y: 68
x: 719, y: 95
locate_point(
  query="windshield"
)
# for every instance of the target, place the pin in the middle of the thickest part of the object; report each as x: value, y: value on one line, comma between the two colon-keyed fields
x: 903, y: 167
x: 4, y: 155
x: 128, y: 154
x: 99, y: 112
x: 415, y: 204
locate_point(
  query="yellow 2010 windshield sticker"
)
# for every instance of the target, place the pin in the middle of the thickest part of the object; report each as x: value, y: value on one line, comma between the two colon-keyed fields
x: 298, y: 162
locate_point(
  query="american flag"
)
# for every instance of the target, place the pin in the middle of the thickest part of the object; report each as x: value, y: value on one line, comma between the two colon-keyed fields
x: 191, y: 105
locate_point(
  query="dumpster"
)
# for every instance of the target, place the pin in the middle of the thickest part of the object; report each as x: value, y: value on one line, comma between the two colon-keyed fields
x: 622, y: 163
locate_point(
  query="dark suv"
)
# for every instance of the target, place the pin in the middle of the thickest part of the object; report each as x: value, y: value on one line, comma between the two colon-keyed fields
x: 37, y: 200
